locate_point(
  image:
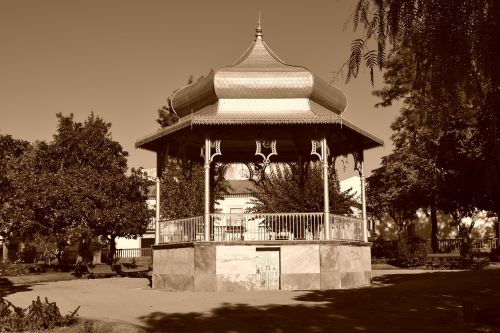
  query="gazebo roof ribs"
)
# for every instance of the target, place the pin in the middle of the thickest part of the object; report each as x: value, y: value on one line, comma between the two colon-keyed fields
x: 262, y: 93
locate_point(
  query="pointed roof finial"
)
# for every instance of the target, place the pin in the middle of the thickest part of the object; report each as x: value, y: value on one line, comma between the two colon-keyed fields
x: 258, y: 31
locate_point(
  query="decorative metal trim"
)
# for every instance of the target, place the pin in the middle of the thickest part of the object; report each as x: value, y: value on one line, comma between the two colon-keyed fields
x: 220, y: 170
x: 256, y: 172
x: 213, y: 144
x: 315, y: 145
x: 318, y: 144
x: 333, y: 160
x: 266, y: 144
x: 358, y: 160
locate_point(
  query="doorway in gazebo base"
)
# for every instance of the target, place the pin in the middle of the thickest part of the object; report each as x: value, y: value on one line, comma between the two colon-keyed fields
x: 237, y: 266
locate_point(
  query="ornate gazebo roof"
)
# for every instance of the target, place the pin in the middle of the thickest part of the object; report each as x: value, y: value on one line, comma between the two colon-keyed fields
x: 260, y: 91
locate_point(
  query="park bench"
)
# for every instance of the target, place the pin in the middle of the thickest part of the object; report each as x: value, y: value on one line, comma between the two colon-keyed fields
x: 100, y: 270
x: 448, y: 260
x: 125, y: 269
x: 40, y: 266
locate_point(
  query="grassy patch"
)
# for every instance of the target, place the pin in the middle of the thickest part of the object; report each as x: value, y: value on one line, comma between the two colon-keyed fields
x: 98, y: 326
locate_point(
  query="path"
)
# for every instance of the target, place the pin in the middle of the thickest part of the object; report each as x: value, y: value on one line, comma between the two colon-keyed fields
x: 415, y: 301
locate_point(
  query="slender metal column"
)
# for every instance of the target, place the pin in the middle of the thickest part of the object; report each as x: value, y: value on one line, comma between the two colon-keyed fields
x: 157, y: 218
x: 363, y: 200
x: 326, y: 195
x: 207, y: 189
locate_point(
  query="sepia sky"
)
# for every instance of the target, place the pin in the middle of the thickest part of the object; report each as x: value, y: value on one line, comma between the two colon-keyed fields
x: 121, y: 59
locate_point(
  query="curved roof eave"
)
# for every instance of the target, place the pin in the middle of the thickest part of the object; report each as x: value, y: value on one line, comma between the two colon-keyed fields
x: 203, y: 119
x: 194, y: 96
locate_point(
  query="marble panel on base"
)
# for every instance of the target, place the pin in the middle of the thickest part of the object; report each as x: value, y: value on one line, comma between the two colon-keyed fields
x: 330, y: 280
x: 354, y: 279
x: 236, y: 282
x: 204, y: 259
x: 173, y: 282
x: 300, y: 259
x: 307, y: 281
x: 174, y: 261
x: 238, y: 259
x: 205, y: 282
x: 329, y: 258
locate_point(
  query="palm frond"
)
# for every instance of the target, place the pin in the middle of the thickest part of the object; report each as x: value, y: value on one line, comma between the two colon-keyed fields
x: 355, y: 58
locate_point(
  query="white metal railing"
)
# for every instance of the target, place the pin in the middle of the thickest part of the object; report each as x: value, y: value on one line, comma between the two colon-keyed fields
x: 189, y: 229
x: 261, y: 227
x: 264, y: 227
x: 151, y: 225
x: 484, y: 244
x: 346, y: 228
x: 478, y: 244
x: 133, y: 253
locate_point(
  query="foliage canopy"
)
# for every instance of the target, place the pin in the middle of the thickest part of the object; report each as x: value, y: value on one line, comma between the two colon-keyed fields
x: 282, y: 190
x: 443, y: 66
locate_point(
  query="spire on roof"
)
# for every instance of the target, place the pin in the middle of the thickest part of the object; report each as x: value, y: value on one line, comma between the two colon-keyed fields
x: 258, y: 31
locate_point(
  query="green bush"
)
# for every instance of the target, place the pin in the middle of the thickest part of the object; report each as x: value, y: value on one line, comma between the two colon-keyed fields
x: 480, y: 262
x: 495, y: 254
x: 411, y: 252
x: 27, y: 253
x: 9, y: 268
x: 38, y: 316
x: 382, y: 249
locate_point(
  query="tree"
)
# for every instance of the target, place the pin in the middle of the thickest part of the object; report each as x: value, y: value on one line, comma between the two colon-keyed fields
x: 182, y: 190
x: 83, y: 145
x: 75, y: 188
x: 166, y: 113
x: 280, y: 191
x: 451, y: 48
x: 439, y: 146
x: 392, y: 190
x: 10, y: 150
x: 182, y: 183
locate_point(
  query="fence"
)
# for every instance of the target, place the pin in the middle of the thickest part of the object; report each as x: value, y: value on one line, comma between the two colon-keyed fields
x: 388, y: 248
x: 261, y: 227
x: 133, y: 253
x: 188, y: 229
x: 451, y: 245
x: 151, y: 225
x: 264, y: 227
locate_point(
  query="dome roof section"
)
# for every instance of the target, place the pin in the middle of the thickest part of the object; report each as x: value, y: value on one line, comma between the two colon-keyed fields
x: 259, y: 75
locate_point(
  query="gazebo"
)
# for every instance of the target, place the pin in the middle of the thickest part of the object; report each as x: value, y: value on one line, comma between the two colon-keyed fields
x: 259, y: 111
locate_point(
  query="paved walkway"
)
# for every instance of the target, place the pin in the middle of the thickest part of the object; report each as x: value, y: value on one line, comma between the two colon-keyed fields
x: 400, y: 300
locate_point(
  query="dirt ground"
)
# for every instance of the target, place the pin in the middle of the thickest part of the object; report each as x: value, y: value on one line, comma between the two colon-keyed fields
x: 398, y: 301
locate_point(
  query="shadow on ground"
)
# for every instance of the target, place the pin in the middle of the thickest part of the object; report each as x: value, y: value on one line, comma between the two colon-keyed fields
x: 7, y: 287
x: 429, y: 302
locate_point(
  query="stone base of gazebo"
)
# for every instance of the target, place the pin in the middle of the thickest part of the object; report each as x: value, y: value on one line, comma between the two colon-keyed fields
x: 239, y: 266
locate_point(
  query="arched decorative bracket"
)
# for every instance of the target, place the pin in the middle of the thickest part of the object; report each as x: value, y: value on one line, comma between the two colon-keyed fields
x: 268, y: 145
x: 358, y: 160
x: 317, y: 145
x: 220, y: 170
x: 256, y: 172
x: 215, y: 144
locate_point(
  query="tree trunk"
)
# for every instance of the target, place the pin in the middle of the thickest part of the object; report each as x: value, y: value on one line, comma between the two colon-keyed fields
x: 497, y: 226
x: 84, y: 250
x: 434, y: 227
x: 5, y: 250
x: 112, y: 250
